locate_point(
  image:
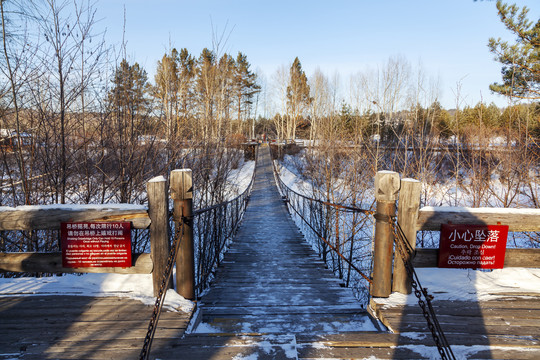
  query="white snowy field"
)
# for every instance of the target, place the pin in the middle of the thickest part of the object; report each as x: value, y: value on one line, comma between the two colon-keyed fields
x: 472, y: 285
x: 444, y: 284
x: 133, y: 286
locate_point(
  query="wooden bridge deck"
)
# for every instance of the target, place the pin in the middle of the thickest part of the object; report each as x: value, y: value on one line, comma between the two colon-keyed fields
x: 80, y: 327
x: 504, y: 328
x: 272, y: 298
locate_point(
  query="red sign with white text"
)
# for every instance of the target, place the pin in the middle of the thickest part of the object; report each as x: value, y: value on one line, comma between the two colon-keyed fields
x: 100, y: 244
x: 472, y: 246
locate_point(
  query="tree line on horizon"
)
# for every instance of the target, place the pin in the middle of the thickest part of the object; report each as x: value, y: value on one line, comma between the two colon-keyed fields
x: 81, y: 123
x: 94, y: 113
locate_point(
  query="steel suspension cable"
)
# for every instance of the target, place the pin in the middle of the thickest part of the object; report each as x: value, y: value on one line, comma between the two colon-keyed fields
x: 286, y: 190
x: 405, y: 251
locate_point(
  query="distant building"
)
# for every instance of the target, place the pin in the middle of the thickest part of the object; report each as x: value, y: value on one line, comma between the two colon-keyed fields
x: 9, y: 139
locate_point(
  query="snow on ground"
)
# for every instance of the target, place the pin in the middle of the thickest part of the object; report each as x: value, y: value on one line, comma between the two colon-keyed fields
x: 78, y: 207
x: 239, y: 179
x: 133, y: 286
x: 471, y: 285
x: 293, y: 181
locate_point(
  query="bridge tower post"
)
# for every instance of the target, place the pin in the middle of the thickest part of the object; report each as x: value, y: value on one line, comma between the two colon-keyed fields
x: 158, y: 210
x: 408, y: 205
x: 182, y: 195
x: 386, y: 190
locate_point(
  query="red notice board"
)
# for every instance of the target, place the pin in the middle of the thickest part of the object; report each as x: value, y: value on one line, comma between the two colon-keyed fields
x: 88, y: 244
x: 472, y: 246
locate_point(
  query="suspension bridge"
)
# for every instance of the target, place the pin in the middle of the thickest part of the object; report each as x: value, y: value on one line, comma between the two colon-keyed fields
x: 271, y: 297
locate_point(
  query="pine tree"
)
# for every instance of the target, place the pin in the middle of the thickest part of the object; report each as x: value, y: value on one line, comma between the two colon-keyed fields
x: 128, y: 99
x: 298, y: 99
x: 521, y: 60
x: 245, y: 85
x: 129, y: 106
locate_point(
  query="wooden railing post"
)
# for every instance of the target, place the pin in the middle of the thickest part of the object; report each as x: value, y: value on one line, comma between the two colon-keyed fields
x: 386, y: 190
x: 158, y: 210
x: 182, y: 195
x: 408, y: 205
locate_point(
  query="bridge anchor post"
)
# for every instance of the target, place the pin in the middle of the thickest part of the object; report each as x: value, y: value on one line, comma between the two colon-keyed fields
x: 158, y: 210
x: 386, y: 189
x: 182, y: 195
x: 409, y: 203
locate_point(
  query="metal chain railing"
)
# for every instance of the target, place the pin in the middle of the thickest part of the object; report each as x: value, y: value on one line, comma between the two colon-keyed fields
x: 145, y: 351
x: 339, y: 235
x: 297, y: 203
x: 213, y: 227
x: 405, y: 251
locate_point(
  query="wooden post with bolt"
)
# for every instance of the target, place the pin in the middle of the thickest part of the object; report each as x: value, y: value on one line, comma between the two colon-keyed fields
x: 386, y: 190
x: 182, y: 195
x: 408, y: 205
x: 158, y: 210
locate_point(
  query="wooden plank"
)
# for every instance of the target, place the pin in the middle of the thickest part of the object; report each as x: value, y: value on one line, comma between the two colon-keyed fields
x: 318, y: 352
x: 49, y: 217
x: 56, y: 316
x: 391, y: 339
x: 280, y: 309
x: 11, y: 326
x: 470, y: 308
x: 527, y: 258
x: 178, y: 353
x: 52, y: 263
x: 403, y: 352
x: 51, y: 336
x: 44, y: 327
x: 431, y: 218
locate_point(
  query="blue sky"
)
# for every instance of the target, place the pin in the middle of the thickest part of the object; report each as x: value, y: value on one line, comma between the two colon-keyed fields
x: 449, y: 38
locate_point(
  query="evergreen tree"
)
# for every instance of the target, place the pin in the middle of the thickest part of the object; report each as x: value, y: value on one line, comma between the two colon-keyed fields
x: 521, y: 60
x: 442, y: 121
x: 298, y: 99
x: 129, y: 106
x: 128, y: 99
x: 245, y: 86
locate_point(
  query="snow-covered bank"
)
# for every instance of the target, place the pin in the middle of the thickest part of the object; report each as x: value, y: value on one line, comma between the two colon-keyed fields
x: 471, y: 285
x: 239, y: 179
x: 133, y: 286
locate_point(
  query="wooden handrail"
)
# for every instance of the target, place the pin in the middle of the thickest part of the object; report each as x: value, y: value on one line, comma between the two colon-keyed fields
x: 52, y: 263
x: 49, y: 217
x: 431, y: 218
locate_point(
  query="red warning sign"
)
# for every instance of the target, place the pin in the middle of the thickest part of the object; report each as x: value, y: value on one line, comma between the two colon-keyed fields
x: 472, y: 246
x: 100, y: 244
